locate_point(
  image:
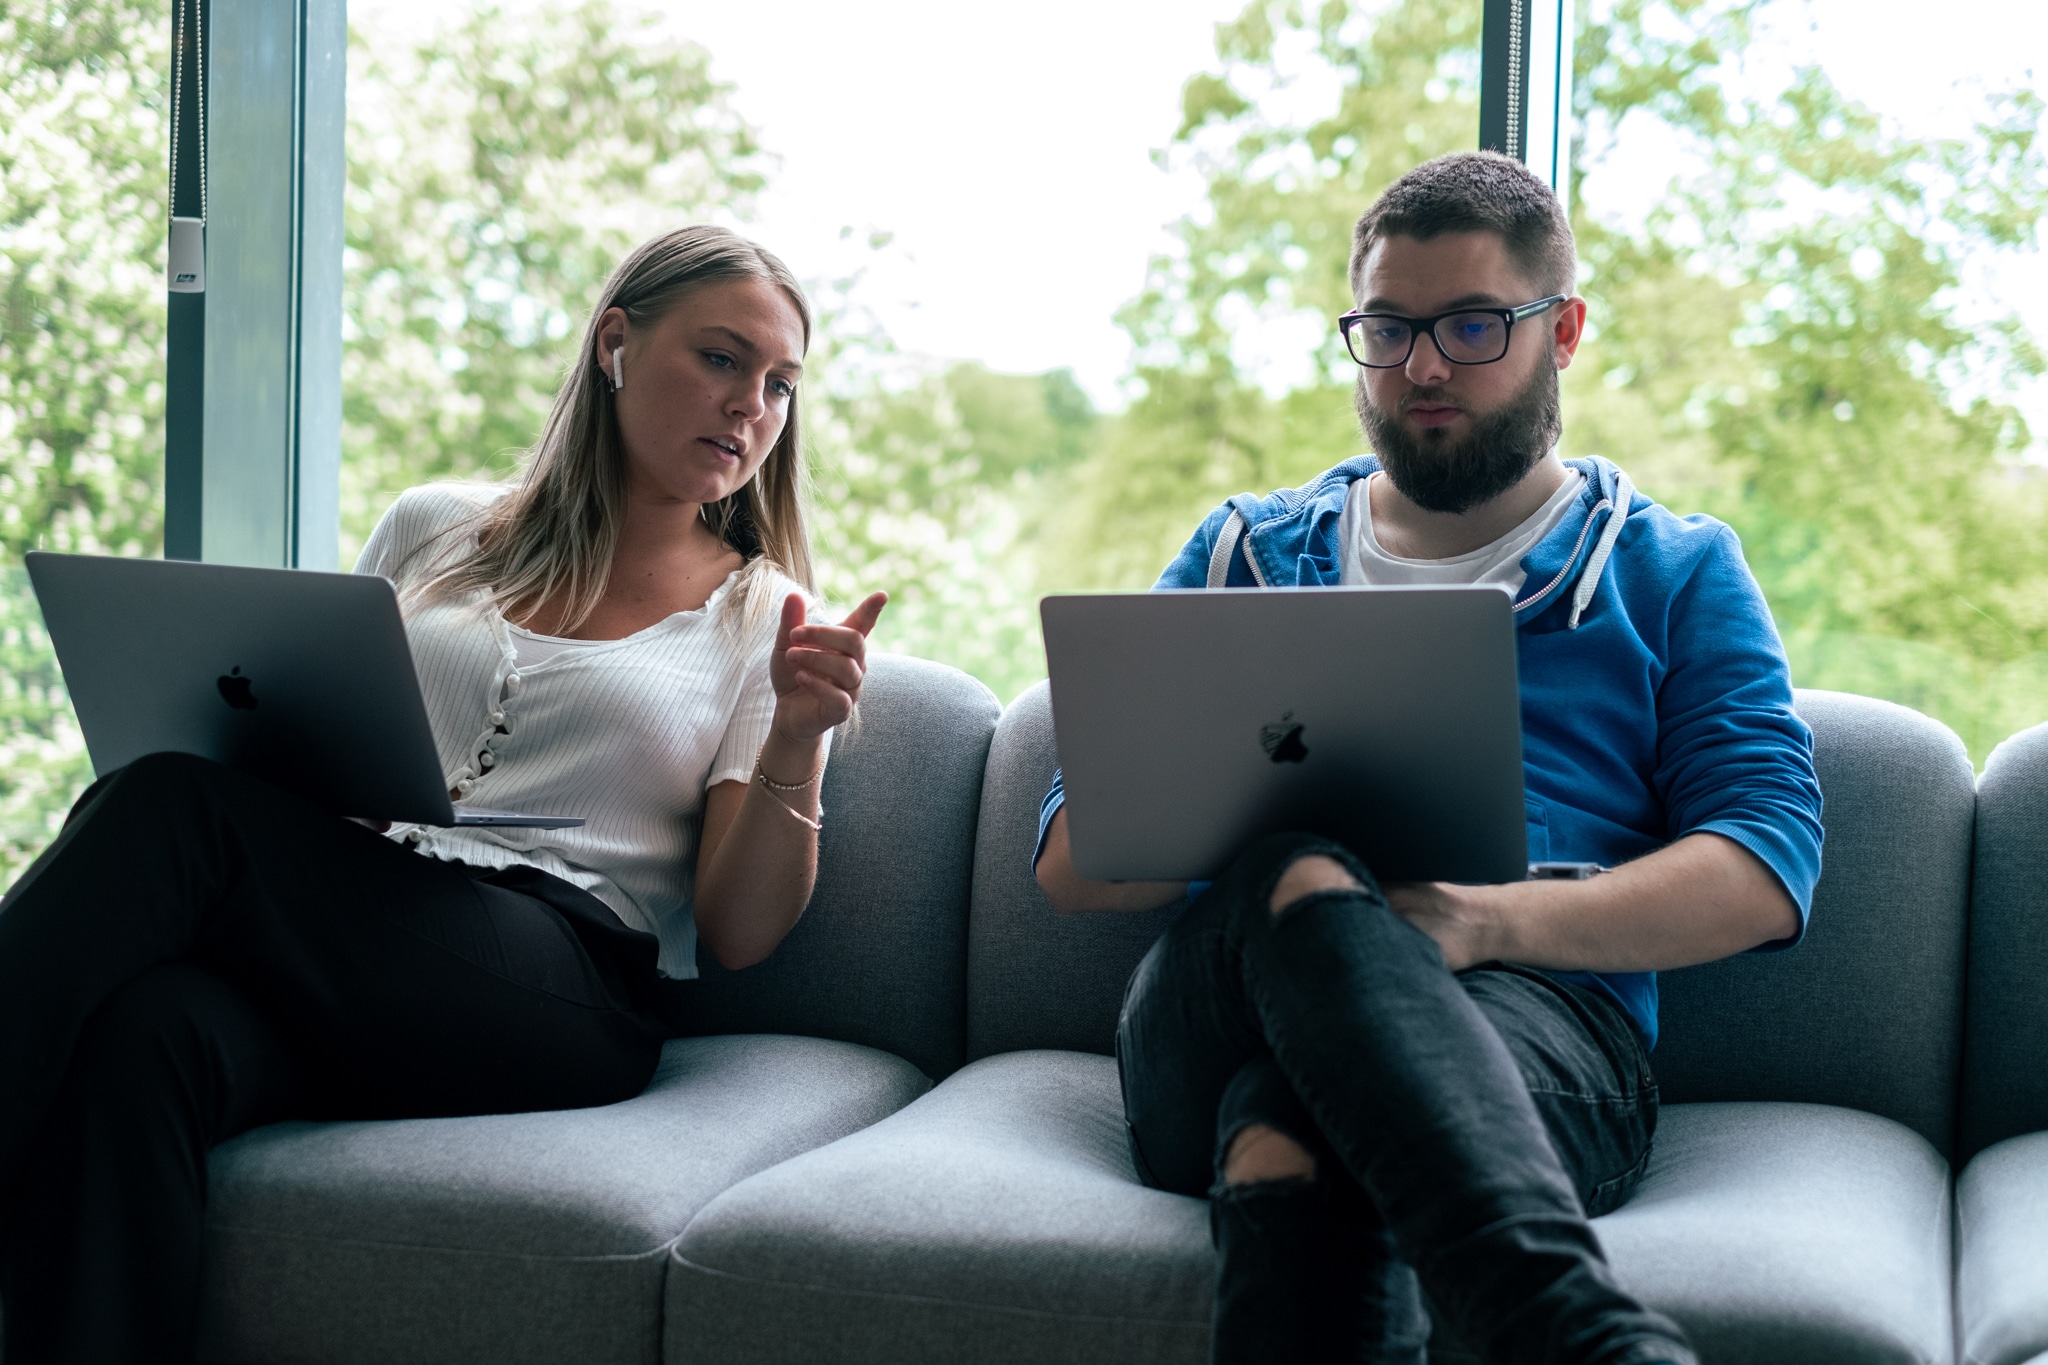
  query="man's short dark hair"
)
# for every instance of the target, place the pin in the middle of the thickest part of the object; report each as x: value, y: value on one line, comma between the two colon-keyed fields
x: 1475, y: 192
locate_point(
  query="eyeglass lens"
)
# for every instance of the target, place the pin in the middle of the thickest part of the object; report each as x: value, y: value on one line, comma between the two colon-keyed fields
x: 1465, y: 338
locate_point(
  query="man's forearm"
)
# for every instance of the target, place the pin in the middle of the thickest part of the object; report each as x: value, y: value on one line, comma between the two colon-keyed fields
x: 1699, y: 900
x: 1071, y: 893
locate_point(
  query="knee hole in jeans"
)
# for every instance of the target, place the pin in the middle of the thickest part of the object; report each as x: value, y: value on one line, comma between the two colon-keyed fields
x: 1258, y: 1154
x: 1307, y: 875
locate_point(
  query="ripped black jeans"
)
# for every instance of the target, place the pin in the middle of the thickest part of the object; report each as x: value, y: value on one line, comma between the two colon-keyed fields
x: 1463, y: 1128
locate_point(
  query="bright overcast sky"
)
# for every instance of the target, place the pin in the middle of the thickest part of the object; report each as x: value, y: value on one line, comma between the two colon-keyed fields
x: 1007, y: 148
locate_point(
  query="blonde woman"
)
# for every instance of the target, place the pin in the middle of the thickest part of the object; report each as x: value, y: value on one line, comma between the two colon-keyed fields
x: 621, y: 635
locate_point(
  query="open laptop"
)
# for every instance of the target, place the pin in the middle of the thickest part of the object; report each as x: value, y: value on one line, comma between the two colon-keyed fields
x: 301, y: 678
x: 1191, y: 723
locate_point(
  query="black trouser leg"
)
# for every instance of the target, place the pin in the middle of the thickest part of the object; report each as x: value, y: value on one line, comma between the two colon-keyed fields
x: 1307, y: 1270
x: 101, y: 1256
x: 407, y: 987
x: 419, y: 985
x: 1413, y: 1088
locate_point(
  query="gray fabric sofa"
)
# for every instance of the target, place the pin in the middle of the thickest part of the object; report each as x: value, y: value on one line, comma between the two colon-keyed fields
x: 901, y: 1138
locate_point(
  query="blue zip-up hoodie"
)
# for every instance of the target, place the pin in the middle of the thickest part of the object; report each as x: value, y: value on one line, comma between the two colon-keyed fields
x: 1656, y: 700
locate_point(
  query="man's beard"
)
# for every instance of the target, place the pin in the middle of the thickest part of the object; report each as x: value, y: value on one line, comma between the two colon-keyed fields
x: 1434, y: 473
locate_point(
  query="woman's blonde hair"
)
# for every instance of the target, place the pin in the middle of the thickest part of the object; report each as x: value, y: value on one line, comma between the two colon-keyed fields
x: 551, y: 539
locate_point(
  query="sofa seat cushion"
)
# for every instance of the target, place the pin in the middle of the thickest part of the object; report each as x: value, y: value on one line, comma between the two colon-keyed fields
x: 517, y: 1237
x: 997, y: 1219
x: 2002, y: 1253
x: 1791, y: 1233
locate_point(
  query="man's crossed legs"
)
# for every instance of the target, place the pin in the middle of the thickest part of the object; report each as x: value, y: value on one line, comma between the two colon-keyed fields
x: 1368, y: 1126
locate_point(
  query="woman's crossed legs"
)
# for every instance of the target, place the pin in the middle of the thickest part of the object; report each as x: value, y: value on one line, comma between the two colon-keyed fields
x: 199, y: 953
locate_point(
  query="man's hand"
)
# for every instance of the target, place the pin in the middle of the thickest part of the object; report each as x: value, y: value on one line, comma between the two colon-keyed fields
x: 1699, y: 900
x: 1458, y: 925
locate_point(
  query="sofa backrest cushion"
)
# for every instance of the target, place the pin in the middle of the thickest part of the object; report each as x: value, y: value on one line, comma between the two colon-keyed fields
x: 1036, y: 978
x: 1867, y: 1011
x: 2005, y: 1052
x: 880, y: 956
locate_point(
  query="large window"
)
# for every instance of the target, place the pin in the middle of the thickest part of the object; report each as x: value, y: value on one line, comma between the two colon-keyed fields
x: 1076, y: 267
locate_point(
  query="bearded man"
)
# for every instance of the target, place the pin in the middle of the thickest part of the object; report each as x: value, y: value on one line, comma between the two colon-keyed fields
x: 1392, y: 1090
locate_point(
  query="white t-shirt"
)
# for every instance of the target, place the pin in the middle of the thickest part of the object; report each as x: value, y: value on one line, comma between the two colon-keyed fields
x: 629, y: 734
x: 1499, y: 562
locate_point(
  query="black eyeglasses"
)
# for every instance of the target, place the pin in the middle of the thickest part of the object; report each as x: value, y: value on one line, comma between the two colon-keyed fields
x: 1470, y: 336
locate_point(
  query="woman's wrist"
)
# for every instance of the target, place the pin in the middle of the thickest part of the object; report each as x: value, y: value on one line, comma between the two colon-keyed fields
x: 790, y: 764
x: 791, y: 728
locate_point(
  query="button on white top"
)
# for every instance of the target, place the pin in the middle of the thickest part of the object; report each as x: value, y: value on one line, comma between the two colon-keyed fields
x: 486, y: 760
x: 511, y: 682
x: 465, y: 787
x: 497, y: 717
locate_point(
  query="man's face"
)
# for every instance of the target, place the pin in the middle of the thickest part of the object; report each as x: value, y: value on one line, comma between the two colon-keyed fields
x: 1451, y: 437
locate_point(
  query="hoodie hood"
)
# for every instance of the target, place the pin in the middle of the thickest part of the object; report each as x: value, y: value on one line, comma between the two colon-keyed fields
x: 1290, y: 537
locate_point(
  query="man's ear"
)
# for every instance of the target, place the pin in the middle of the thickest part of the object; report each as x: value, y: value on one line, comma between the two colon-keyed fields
x: 1568, y: 329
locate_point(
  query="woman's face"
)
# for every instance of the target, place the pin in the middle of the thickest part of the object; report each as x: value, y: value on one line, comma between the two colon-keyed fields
x: 707, y: 390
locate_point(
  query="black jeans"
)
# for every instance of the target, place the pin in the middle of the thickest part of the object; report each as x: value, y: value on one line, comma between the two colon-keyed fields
x: 1463, y: 1128
x: 198, y: 953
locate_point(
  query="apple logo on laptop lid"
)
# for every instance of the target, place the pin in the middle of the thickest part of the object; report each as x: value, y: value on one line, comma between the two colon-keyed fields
x: 235, y: 690
x: 1282, y: 740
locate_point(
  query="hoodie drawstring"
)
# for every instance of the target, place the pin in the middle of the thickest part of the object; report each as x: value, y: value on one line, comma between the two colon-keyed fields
x: 1233, y: 530
x: 1589, y: 579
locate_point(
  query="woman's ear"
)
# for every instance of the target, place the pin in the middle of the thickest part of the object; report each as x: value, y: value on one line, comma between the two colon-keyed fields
x: 611, y: 341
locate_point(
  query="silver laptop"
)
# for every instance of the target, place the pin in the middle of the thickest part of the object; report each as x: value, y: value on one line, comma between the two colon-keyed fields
x: 301, y: 678
x: 1191, y: 723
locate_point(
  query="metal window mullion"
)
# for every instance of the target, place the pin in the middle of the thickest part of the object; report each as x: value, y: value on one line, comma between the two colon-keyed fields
x: 1525, y: 85
x: 323, y: 174
x: 253, y: 375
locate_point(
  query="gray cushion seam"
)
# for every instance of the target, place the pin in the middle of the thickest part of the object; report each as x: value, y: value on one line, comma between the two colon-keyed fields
x: 249, y: 1231
x: 897, y: 1297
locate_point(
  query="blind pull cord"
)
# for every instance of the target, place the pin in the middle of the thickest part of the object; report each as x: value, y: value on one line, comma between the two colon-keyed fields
x: 187, y: 264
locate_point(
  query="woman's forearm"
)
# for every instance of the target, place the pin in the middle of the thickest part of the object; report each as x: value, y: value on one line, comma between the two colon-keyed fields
x: 759, y: 858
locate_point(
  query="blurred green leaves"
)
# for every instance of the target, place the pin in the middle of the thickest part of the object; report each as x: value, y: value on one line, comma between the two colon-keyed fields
x: 498, y: 170
x: 936, y: 483
x: 1779, y: 340
x: 83, y: 178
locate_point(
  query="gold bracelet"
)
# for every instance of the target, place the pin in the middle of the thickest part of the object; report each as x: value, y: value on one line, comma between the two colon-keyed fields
x: 817, y: 825
x: 772, y: 785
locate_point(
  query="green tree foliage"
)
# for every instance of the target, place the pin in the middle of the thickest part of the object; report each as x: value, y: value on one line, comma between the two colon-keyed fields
x: 1274, y: 241
x: 934, y: 486
x: 497, y: 172
x: 83, y: 127
x: 1786, y: 315
x: 1777, y: 343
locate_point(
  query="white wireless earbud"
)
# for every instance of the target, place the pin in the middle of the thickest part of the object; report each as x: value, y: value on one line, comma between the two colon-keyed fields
x: 618, y: 369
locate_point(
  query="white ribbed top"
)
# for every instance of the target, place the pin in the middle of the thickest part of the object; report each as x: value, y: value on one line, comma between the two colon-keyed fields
x: 629, y: 734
